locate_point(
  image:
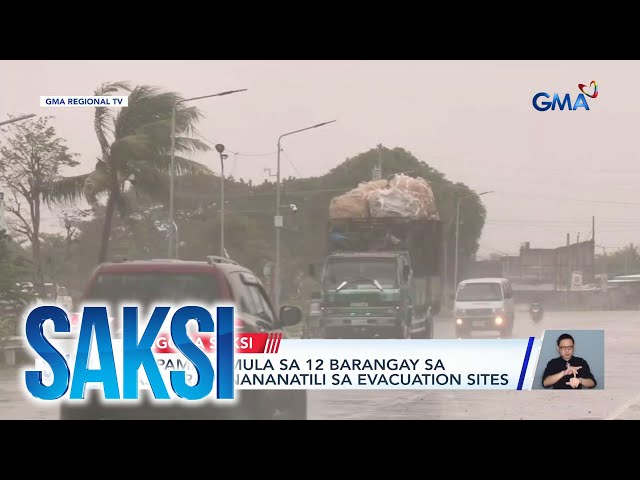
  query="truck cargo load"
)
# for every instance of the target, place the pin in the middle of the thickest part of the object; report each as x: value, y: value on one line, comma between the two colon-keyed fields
x: 401, y: 196
x: 381, y: 275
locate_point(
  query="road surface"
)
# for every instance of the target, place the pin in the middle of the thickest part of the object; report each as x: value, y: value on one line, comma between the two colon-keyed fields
x: 619, y: 400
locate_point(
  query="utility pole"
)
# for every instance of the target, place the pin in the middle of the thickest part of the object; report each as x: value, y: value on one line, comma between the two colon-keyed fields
x: 173, y: 228
x: 593, y: 248
x: 277, y: 219
x: 376, y: 174
x: 445, y: 299
x: 220, y: 149
x: 459, y: 200
x: 1, y: 211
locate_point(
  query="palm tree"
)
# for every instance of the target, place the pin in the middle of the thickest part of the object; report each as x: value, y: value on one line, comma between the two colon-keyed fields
x: 135, y: 145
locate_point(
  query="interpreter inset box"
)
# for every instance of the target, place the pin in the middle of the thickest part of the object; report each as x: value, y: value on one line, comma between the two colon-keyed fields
x: 570, y: 360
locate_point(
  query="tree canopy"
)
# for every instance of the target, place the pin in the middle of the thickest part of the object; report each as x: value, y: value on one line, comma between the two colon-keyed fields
x: 249, y: 212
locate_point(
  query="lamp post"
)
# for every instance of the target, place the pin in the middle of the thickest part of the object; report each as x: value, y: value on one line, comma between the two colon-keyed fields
x: 223, y: 156
x: 1, y: 212
x: 278, y: 218
x: 173, y: 250
x: 17, y: 119
x: 455, y: 266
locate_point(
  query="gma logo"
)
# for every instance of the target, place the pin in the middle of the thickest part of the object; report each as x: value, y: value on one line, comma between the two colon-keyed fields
x: 542, y: 104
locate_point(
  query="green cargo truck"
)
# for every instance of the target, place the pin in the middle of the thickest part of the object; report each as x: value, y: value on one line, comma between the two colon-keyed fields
x: 381, y: 278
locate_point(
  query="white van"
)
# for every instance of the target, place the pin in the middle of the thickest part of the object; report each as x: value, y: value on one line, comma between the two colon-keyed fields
x: 484, y: 304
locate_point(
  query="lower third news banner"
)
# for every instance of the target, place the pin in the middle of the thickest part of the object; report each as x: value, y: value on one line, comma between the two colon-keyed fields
x: 481, y: 364
x: 269, y: 361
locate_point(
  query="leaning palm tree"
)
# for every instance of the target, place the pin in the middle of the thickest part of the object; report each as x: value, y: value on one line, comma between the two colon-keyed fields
x: 135, y: 145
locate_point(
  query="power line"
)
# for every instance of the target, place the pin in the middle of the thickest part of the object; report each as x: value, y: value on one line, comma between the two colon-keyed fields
x: 240, y: 154
x: 204, y: 196
x: 251, y: 154
x: 495, y: 250
x: 563, y: 222
x: 235, y: 163
x: 291, y: 163
x: 610, y: 202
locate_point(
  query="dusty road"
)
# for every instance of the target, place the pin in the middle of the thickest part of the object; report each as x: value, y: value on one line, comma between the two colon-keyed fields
x: 619, y: 400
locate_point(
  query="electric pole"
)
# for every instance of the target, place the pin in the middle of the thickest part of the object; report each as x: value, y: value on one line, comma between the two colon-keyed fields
x: 376, y: 174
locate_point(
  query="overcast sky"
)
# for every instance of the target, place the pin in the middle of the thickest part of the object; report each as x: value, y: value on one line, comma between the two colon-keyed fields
x: 472, y: 120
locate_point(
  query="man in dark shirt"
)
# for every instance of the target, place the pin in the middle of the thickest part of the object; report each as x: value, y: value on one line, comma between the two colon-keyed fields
x: 567, y: 371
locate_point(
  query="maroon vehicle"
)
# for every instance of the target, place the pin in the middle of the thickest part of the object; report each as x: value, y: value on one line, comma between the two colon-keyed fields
x: 217, y: 280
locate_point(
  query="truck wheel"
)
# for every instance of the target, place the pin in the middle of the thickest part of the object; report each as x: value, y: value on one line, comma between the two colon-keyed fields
x: 402, y: 331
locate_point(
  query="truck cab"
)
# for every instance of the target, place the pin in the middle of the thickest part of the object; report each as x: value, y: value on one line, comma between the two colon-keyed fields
x: 367, y: 294
x: 381, y: 277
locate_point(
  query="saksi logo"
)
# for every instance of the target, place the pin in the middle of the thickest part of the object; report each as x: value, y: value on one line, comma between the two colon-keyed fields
x: 542, y: 103
x: 121, y: 356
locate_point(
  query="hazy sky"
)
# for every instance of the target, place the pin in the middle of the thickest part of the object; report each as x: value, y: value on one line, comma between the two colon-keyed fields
x: 472, y: 120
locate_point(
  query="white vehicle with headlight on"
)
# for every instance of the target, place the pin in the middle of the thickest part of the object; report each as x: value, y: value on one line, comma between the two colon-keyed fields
x: 484, y: 304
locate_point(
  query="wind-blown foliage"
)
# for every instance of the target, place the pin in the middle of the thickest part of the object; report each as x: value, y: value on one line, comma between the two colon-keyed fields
x: 31, y: 154
x: 136, y: 149
x: 249, y: 211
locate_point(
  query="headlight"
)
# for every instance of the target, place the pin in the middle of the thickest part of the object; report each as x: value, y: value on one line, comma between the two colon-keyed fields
x: 459, y: 321
x: 498, y: 320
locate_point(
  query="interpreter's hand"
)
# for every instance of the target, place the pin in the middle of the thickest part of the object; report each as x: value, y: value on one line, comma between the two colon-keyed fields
x: 571, y: 371
x: 574, y: 382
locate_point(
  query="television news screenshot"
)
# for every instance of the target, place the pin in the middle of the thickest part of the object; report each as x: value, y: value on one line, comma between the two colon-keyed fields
x: 319, y: 240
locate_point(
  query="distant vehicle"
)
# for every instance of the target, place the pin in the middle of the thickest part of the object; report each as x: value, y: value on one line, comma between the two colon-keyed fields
x: 484, y: 304
x: 536, y: 311
x: 54, y: 294
x: 64, y: 299
x: 208, y: 282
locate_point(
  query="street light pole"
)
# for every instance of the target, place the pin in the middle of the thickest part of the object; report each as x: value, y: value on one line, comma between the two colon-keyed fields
x: 455, y: 266
x: 220, y: 150
x: 278, y: 218
x: 173, y: 249
x: 455, y: 263
x: 1, y: 212
x: 17, y: 119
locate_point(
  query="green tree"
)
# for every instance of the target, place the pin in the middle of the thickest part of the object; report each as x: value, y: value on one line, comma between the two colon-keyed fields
x: 625, y: 261
x: 313, y: 195
x: 249, y: 210
x: 135, y: 148
x: 29, y: 159
x: 12, y: 300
